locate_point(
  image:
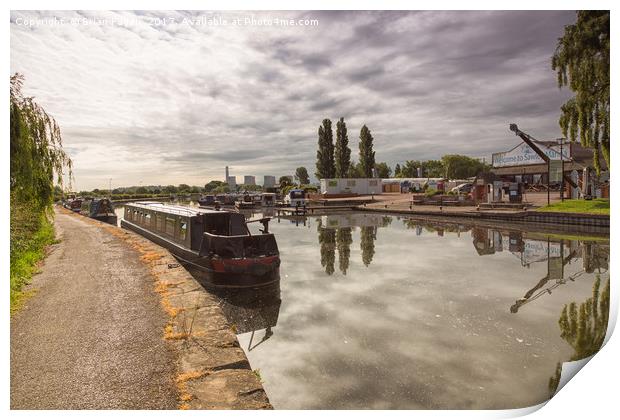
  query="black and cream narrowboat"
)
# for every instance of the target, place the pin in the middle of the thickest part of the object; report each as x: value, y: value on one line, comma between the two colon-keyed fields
x: 216, y: 246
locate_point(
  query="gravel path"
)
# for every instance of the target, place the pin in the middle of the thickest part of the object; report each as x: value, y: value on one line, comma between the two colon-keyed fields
x: 92, y: 336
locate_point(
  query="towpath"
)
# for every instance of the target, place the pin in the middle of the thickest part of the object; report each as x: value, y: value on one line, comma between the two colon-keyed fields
x: 91, y: 336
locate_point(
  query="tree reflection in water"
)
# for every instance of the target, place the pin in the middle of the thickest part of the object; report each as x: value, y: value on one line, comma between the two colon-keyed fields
x: 344, y: 239
x: 327, y: 239
x: 583, y: 327
x: 367, y: 243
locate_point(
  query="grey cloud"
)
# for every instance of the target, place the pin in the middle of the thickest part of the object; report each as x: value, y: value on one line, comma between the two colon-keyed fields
x: 426, y: 83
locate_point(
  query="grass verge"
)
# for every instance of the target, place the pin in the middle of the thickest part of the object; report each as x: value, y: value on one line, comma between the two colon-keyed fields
x: 595, y: 206
x: 31, y: 232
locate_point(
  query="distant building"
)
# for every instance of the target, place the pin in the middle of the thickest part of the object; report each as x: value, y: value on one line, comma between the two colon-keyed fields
x: 249, y: 180
x: 269, y: 181
x: 232, y: 182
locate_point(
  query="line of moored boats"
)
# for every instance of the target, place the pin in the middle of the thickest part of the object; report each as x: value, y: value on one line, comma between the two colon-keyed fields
x: 212, y: 241
x: 97, y: 208
x: 249, y: 200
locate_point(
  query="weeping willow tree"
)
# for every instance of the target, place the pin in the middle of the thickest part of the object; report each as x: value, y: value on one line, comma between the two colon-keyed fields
x: 37, y: 157
x: 581, y: 61
x: 37, y: 160
x: 584, y: 327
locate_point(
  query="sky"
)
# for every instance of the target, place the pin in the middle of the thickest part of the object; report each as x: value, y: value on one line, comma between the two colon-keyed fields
x: 158, y: 98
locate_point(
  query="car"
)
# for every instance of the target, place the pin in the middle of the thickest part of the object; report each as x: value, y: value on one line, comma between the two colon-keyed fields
x: 462, y: 188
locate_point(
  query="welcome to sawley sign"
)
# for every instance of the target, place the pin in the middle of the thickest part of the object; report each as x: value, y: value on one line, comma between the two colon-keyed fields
x: 523, y: 154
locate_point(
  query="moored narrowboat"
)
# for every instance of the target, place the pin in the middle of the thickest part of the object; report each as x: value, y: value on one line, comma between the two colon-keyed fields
x: 217, y: 247
x: 246, y: 202
x: 75, y: 205
x: 268, y: 199
x: 99, y: 209
x: 206, y: 200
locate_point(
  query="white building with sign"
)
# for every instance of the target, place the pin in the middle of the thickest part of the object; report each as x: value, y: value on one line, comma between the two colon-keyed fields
x: 351, y: 186
x: 522, y: 154
x: 569, y: 161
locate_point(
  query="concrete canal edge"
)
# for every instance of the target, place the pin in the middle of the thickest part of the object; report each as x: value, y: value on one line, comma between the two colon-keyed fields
x: 212, y: 371
x: 554, y: 218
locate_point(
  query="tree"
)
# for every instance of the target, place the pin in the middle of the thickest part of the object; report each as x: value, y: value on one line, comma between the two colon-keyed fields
x: 459, y: 166
x: 397, y: 171
x: 430, y: 169
x: 171, y: 189
x: 223, y: 188
x: 354, y: 171
x: 184, y: 188
x: 383, y: 170
x: 325, y: 154
x: 250, y: 187
x: 285, y: 181
x: 342, y: 154
x: 581, y: 60
x: 367, y: 155
x: 211, y: 185
x: 141, y: 190
x: 37, y: 156
x: 301, y: 175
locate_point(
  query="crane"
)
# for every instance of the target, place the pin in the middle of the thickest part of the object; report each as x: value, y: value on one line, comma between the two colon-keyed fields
x: 533, y: 144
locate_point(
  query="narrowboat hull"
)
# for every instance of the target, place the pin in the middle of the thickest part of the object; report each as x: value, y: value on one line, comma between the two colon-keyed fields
x: 213, y: 270
x: 106, y: 218
x: 244, y: 205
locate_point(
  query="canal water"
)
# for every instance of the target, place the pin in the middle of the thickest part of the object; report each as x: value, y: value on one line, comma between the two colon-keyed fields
x: 386, y: 312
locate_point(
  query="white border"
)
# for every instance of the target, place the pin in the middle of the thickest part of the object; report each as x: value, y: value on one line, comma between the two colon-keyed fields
x: 590, y: 395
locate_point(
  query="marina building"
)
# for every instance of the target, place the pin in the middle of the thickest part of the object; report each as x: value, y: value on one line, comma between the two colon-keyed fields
x: 350, y: 186
x: 570, y: 166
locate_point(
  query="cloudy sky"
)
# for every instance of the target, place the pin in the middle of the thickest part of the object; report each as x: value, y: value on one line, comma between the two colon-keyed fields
x: 170, y: 97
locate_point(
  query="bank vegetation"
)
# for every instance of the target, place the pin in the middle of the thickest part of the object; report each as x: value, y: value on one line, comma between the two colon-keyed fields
x: 38, y: 161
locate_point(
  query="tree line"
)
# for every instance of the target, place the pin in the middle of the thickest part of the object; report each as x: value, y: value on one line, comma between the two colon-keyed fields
x: 449, y: 167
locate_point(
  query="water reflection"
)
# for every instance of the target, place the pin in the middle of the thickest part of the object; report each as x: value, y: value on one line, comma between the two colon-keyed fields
x: 344, y: 239
x: 388, y: 312
x: 327, y: 241
x: 421, y: 314
x: 368, y: 235
x: 583, y: 327
x: 251, y: 310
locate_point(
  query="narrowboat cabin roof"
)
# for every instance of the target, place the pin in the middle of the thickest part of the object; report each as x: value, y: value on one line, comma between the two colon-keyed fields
x: 171, y: 208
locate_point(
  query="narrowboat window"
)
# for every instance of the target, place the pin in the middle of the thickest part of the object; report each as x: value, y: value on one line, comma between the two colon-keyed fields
x: 147, y: 218
x: 183, y: 230
x: 170, y: 226
x: 160, y: 222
